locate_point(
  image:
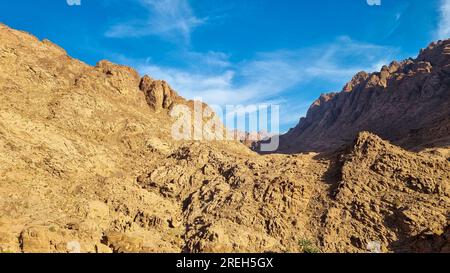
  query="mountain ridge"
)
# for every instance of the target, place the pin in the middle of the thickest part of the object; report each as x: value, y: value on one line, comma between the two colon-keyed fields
x: 403, y: 103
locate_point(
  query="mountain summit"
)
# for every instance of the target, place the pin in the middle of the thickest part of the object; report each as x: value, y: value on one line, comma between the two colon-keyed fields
x: 407, y: 103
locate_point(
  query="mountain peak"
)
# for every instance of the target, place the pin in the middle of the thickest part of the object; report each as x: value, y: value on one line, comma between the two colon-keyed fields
x: 406, y: 102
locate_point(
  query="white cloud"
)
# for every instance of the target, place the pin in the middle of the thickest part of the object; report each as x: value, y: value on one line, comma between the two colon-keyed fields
x: 166, y: 18
x: 443, y: 31
x: 213, y: 88
x: 269, y: 77
x: 269, y: 74
x: 74, y: 2
x: 210, y: 58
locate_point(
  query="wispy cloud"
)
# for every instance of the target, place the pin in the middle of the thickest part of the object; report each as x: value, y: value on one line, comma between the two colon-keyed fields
x: 166, y: 18
x: 443, y: 31
x: 271, y: 73
x: 270, y: 76
x: 212, y: 88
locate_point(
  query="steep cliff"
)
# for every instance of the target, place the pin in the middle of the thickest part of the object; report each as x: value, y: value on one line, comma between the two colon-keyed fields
x: 407, y: 103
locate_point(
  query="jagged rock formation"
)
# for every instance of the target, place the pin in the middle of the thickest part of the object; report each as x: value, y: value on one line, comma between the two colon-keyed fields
x: 88, y: 164
x: 407, y: 103
x: 158, y: 93
x: 391, y: 196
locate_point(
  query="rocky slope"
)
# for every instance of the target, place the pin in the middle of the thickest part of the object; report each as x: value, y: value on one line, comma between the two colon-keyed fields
x: 406, y: 102
x: 88, y: 164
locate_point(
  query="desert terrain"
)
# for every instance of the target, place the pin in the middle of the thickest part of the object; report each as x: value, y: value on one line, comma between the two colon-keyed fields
x: 88, y: 164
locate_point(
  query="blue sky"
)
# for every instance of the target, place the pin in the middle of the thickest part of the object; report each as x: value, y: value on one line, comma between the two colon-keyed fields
x: 239, y: 51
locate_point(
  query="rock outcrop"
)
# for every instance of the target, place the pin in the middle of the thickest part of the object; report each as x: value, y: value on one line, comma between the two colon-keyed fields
x: 407, y: 103
x: 158, y: 93
x: 387, y: 195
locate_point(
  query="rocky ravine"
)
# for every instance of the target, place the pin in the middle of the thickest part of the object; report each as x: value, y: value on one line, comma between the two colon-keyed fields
x: 87, y: 164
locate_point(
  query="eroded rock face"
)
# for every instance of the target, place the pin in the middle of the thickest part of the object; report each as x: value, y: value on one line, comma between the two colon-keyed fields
x: 406, y: 102
x: 377, y: 199
x: 372, y: 194
x: 88, y: 165
x: 237, y: 202
x: 158, y: 93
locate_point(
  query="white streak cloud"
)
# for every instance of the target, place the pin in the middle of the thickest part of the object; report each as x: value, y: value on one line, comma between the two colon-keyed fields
x: 269, y: 77
x: 166, y: 18
x: 443, y: 31
x: 269, y: 74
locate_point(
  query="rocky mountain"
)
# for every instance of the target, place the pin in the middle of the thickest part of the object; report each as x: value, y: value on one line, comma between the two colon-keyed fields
x: 88, y: 164
x: 407, y: 103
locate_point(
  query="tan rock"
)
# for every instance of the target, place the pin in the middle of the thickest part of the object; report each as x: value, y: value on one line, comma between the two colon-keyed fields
x: 88, y: 165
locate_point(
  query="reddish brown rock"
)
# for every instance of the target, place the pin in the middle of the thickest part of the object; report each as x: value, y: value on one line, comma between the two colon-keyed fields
x: 158, y: 93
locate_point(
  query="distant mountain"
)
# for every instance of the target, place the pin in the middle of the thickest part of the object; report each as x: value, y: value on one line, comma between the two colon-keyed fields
x: 249, y: 138
x: 407, y: 103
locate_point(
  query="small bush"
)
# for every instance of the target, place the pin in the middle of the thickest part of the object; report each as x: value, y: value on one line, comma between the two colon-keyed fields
x: 306, y: 246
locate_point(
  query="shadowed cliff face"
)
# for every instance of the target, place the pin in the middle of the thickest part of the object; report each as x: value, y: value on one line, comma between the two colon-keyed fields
x: 88, y: 164
x: 407, y: 103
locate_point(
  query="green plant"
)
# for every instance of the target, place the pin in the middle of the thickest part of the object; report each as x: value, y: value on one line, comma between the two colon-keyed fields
x: 306, y: 246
